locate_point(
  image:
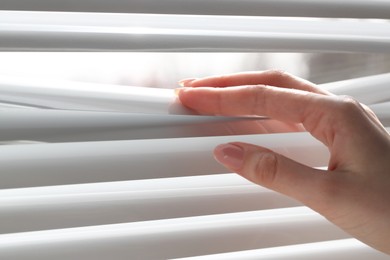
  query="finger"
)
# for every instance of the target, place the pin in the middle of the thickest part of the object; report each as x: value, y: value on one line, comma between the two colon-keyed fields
x: 281, y: 104
x: 278, y: 173
x: 321, y: 115
x: 261, y: 126
x: 270, y: 77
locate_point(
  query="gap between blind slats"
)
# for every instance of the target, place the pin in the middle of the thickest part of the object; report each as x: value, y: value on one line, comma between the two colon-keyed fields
x: 328, y: 250
x: 40, y: 31
x: 191, y: 236
x: 300, y: 8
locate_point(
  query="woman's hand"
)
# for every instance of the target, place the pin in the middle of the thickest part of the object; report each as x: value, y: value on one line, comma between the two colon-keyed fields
x: 353, y: 193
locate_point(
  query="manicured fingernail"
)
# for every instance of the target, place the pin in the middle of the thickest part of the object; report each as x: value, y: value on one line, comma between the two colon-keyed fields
x: 185, y: 82
x: 230, y: 155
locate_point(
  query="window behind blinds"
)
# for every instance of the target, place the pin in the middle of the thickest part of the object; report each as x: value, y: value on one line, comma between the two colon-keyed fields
x: 97, y: 171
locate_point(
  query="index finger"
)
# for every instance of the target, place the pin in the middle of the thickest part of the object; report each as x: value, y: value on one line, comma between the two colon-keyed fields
x: 275, y: 78
x: 319, y: 114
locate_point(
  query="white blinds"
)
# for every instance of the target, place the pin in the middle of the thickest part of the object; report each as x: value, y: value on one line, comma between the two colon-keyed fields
x: 94, y: 171
x: 300, y: 8
x: 42, y: 31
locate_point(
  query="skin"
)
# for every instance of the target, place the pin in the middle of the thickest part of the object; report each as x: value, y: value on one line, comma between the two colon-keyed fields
x: 353, y: 192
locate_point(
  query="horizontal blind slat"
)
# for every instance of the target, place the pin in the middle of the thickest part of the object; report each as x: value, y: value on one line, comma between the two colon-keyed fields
x: 69, y: 163
x: 33, y: 213
x: 190, y: 182
x: 44, y: 125
x: 71, y: 95
x: 40, y: 125
x: 328, y: 250
x: 39, y: 31
x: 368, y: 90
x: 191, y: 236
x: 301, y: 8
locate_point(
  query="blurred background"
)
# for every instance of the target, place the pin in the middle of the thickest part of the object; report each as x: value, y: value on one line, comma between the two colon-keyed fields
x: 163, y: 70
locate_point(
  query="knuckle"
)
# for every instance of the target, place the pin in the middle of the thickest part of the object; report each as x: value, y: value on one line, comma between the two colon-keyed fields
x: 277, y: 74
x: 223, y: 80
x: 256, y: 99
x: 266, y: 168
x: 348, y: 106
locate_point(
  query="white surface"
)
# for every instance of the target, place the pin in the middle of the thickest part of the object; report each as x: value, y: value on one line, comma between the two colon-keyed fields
x: 190, y: 182
x: 79, y: 208
x: 163, y: 239
x: 368, y: 90
x: 42, y: 125
x: 72, y: 95
x: 40, y: 31
x: 318, y: 8
x: 328, y: 250
x: 68, y: 163
x: 45, y: 125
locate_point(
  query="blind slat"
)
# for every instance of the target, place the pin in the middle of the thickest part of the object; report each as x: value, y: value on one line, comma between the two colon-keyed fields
x: 67, y: 163
x: 40, y: 125
x: 33, y: 213
x: 194, y: 235
x: 40, y: 31
x: 70, y: 95
x: 191, y: 182
x: 368, y: 90
x: 43, y: 125
x: 328, y: 250
x: 301, y: 8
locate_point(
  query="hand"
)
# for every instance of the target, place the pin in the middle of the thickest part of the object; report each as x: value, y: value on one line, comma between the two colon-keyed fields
x: 353, y: 192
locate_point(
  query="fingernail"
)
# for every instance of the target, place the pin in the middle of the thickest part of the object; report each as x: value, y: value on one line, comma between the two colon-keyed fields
x: 185, y: 82
x: 230, y: 155
x: 177, y: 91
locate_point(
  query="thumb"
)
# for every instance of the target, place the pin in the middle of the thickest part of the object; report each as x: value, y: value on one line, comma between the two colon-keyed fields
x: 274, y: 171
